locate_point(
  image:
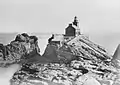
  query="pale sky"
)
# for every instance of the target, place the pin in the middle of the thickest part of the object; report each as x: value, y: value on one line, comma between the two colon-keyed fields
x: 98, y: 18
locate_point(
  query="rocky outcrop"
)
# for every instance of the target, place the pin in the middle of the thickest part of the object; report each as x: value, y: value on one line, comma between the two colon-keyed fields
x: 77, y: 62
x: 82, y: 46
x: 58, y: 54
x: 18, y: 50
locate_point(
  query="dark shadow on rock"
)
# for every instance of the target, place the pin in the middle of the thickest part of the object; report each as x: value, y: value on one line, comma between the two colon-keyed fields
x: 34, y: 57
x: 51, y: 53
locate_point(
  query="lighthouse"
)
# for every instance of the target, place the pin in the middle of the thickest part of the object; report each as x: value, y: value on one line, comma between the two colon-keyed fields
x: 76, y: 26
x: 72, y: 30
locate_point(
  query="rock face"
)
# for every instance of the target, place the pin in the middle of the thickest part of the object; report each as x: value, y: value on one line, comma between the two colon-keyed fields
x: 19, y: 49
x: 58, y: 54
x: 77, y: 62
x: 51, y: 53
x: 116, y: 57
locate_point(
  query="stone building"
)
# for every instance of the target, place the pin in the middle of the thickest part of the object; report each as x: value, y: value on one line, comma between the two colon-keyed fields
x: 72, y: 30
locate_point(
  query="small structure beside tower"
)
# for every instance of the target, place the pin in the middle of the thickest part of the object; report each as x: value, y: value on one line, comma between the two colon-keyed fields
x: 70, y: 31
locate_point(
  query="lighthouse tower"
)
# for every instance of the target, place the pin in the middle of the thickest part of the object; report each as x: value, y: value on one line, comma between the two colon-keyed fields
x: 72, y: 30
x: 76, y: 25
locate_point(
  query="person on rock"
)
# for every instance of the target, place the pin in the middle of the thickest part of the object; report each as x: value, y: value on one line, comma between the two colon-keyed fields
x: 50, y: 39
